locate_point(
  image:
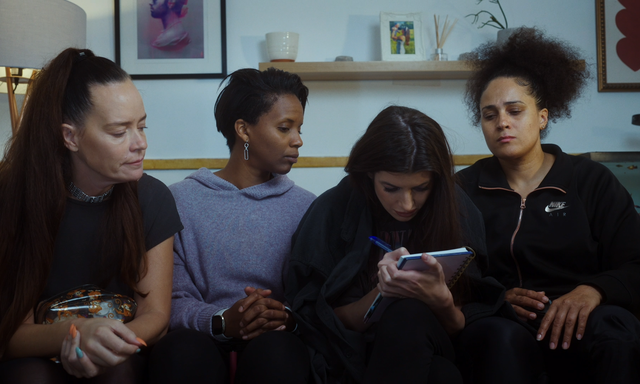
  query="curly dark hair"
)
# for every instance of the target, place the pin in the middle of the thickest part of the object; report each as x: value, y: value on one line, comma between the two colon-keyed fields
x: 550, y: 68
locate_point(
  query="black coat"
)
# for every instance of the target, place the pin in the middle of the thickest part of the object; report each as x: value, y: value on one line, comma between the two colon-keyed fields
x: 578, y: 227
x: 329, y: 249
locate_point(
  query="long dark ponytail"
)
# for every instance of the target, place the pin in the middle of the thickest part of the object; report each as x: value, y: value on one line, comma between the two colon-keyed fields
x: 34, y: 173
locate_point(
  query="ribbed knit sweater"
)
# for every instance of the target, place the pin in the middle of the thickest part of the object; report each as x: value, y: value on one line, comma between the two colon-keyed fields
x: 232, y: 238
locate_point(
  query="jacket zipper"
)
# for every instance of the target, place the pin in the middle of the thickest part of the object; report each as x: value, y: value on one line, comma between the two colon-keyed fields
x: 513, y: 237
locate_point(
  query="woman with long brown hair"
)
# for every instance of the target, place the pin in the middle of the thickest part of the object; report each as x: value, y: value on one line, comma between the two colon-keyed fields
x: 400, y: 189
x: 77, y: 209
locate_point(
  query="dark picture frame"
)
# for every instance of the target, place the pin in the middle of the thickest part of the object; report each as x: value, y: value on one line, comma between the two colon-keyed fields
x: 148, y: 47
x: 618, y: 58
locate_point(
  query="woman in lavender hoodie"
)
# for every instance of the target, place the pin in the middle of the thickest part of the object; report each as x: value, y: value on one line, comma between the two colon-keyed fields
x: 228, y: 290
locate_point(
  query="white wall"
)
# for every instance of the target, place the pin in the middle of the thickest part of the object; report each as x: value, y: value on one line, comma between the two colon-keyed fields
x: 181, y: 122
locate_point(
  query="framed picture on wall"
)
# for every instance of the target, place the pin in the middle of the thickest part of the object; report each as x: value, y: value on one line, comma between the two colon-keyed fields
x: 618, y: 39
x: 401, y: 37
x: 171, y: 39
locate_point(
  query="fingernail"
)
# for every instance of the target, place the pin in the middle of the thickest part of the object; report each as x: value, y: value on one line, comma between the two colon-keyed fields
x: 539, y: 337
x: 552, y: 345
x: 281, y: 328
x: 545, y: 299
x: 532, y: 315
x: 73, y: 331
x: 579, y: 336
x: 241, y: 332
x: 240, y: 309
x: 241, y: 324
x: 540, y: 306
x: 141, y: 341
x: 79, y: 353
x: 565, y: 345
x: 138, y: 350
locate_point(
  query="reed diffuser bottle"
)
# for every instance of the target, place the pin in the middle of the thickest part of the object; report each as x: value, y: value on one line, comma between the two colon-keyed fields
x: 441, y: 37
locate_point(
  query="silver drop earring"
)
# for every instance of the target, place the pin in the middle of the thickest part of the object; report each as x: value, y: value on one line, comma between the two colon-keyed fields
x: 246, y: 150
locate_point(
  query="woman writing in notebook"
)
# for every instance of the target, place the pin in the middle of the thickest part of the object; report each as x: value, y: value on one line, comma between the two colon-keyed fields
x: 401, y: 189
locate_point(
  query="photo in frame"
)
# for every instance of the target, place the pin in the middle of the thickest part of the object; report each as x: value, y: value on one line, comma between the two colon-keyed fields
x: 618, y: 39
x: 171, y: 39
x: 401, y: 36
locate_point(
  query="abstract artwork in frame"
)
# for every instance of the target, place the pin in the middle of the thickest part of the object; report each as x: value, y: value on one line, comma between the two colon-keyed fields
x: 171, y: 39
x: 401, y: 37
x: 618, y: 39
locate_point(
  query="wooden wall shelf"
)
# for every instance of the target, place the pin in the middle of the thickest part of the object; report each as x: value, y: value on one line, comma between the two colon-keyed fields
x: 374, y: 70
x: 303, y: 162
x: 379, y: 70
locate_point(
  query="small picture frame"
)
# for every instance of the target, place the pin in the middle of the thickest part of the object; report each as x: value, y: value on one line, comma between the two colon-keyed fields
x: 618, y: 58
x: 163, y: 39
x: 401, y: 36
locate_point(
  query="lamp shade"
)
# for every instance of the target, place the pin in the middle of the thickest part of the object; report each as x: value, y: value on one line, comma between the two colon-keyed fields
x: 32, y: 32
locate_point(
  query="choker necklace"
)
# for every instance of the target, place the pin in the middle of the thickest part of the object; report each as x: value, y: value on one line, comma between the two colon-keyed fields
x: 78, y: 194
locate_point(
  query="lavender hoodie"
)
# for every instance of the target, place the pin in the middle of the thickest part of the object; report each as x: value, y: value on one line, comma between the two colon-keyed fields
x: 231, y: 239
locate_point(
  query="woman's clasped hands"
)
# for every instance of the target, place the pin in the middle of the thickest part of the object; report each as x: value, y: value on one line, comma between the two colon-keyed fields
x: 93, y: 345
x: 255, y: 314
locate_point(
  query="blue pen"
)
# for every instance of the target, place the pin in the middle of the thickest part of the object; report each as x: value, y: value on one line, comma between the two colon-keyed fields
x: 385, y: 247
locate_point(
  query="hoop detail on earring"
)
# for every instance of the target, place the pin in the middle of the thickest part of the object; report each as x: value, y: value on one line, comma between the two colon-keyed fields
x: 246, y: 150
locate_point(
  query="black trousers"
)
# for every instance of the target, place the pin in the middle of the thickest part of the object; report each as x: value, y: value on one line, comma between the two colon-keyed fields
x: 410, y: 346
x: 44, y: 371
x: 189, y: 356
x: 497, y: 350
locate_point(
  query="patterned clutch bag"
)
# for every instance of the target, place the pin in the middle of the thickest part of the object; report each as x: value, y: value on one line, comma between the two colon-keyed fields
x: 86, y: 301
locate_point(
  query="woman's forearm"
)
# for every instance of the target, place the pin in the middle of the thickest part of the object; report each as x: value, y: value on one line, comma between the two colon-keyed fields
x: 154, y: 310
x: 150, y: 327
x: 352, y: 315
x: 451, y: 318
x: 37, y: 340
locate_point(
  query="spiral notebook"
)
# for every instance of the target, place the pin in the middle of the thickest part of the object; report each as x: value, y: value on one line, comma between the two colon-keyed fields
x: 453, y: 262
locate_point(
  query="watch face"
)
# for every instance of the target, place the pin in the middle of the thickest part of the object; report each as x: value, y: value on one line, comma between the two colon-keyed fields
x: 216, y: 324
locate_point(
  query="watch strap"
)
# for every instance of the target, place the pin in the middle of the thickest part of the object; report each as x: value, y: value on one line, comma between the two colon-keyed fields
x: 221, y: 336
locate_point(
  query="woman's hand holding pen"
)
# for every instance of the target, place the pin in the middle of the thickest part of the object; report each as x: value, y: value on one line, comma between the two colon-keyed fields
x: 428, y: 286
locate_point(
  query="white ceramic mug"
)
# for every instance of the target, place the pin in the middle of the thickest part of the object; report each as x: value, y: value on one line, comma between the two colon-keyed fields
x: 282, y: 46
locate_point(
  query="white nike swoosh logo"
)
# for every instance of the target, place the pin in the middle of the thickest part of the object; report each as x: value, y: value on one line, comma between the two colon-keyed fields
x: 547, y: 209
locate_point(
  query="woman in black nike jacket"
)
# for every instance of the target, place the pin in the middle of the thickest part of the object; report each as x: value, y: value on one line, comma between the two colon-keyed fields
x: 562, y: 232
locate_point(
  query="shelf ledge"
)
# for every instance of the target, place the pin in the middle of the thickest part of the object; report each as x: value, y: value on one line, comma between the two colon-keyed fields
x: 303, y: 162
x: 374, y: 70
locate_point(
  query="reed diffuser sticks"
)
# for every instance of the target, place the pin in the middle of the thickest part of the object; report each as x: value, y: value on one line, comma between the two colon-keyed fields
x: 446, y: 30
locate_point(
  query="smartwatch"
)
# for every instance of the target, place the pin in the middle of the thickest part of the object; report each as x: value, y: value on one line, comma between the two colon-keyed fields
x: 218, y: 325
